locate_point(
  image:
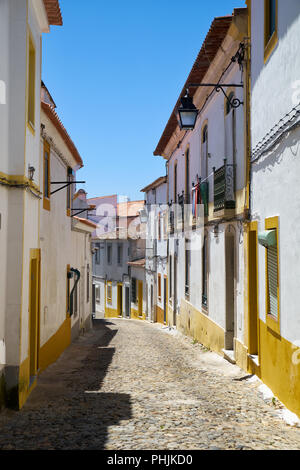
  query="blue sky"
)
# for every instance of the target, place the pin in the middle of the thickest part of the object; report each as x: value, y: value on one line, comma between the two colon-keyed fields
x: 115, y: 70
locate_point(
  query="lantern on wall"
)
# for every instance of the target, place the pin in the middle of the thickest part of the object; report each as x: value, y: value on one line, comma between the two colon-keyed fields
x: 187, y: 113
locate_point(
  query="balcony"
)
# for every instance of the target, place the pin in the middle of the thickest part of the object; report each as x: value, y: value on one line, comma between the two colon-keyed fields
x: 224, y: 187
x: 204, y: 196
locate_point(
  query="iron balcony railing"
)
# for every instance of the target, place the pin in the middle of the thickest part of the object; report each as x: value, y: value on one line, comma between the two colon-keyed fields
x: 204, y: 196
x: 224, y: 187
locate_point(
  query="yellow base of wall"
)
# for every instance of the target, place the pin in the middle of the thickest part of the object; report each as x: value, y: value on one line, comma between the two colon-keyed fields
x: 24, y: 388
x: 241, y: 355
x: 111, y: 313
x: 48, y: 354
x: 135, y: 315
x: 193, y: 323
x: 55, y: 346
x: 279, y: 369
x: 160, y: 315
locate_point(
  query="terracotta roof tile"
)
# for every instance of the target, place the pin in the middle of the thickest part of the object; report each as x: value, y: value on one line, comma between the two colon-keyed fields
x: 52, y: 115
x: 139, y: 263
x: 86, y: 221
x: 53, y: 12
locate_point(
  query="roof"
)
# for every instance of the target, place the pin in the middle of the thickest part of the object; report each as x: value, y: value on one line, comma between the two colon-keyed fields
x: 214, y: 38
x: 52, y: 115
x: 130, y: 208
x: 139, y: 263
x: 86, y: 221
x: 53, y: 12
x: 155, y: 184
x: 102, y: 197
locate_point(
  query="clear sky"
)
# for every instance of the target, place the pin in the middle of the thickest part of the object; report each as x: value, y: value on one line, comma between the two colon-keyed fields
x: 115, y: 70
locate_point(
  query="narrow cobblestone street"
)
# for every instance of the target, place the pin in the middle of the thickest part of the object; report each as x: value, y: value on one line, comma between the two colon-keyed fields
x: 129, y: 385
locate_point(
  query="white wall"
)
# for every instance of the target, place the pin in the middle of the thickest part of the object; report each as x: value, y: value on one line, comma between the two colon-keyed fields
x: 273, y: 94
x: 274, y: 175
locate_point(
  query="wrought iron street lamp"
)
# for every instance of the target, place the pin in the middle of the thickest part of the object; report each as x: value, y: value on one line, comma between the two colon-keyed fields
x: 187, y: 113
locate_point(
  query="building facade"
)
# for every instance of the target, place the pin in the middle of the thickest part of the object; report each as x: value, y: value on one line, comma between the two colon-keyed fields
x: 207, y: 167
x: 38, y: 236
x: 117, y: 243
x: 156, y: 262
x: 272, y: 247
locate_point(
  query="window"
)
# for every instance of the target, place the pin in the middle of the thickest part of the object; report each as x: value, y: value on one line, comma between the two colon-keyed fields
x: 187, y: 176
x: 165, y: 225
x: 204, y: 153
x: 170, y: 277
x: 159, y: 286
x: 98, y: 254
x: 109, y: 292
x: 97, y: 294
x: 272, y: 277
x: 69, y: 190
x: 159, y: 226
x: 204, y: 271
x: 133, y: 290
x: 187, y: 269
x: 175, y: 183
x: 31, y: 84
x: 270, y: 27
x: 109, y: 253
x: 88, y: 283
x: 120, y: 254
x: 46, y: 189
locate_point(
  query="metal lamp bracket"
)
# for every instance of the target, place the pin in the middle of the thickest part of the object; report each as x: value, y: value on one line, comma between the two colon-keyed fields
x: 65, y: 183
x: 234, y: 102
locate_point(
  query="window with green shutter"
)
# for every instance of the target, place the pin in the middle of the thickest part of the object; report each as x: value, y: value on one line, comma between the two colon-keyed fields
x: 272, y: 277
x: 270, y: 240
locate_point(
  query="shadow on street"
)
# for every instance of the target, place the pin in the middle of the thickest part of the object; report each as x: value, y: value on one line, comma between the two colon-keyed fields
x: 67, y: 409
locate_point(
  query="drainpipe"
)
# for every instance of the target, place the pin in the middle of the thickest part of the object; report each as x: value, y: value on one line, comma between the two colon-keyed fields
x: 77, y: 273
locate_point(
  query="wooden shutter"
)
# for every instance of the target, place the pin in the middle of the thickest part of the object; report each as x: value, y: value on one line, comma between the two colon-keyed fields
x: 272, y: 281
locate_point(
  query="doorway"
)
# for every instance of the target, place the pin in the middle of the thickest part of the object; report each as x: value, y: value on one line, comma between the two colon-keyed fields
x: 252, y: 292
x: 152, y: 305
x: 140, y: 298
x: 120, y: 300
x: 127, y: 303
x: 175, y: 290
x: 165, y: 300
x: 34, y: 312
x: 230, y: 288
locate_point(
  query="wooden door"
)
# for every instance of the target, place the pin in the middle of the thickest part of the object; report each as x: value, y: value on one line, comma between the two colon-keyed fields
x: 34, y: 311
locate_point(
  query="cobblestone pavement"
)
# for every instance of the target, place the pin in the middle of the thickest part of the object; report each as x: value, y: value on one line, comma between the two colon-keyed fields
x: 129, y: 385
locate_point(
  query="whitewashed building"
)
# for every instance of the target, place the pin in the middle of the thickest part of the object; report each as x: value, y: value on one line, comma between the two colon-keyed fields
x: 272, y: 241
x: 38, y: 236
x: 22, y: 24
x: 207, y: 166
x: 118, y: 242
x: 156, y: 263
x: 65, y: 240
